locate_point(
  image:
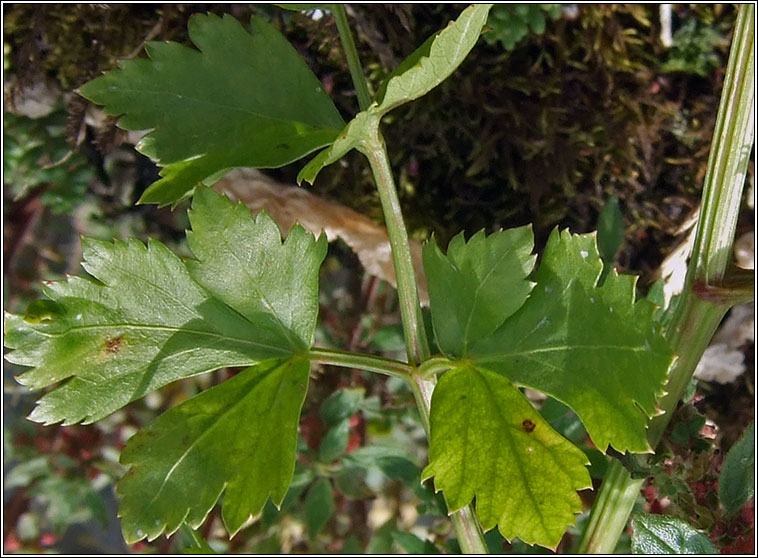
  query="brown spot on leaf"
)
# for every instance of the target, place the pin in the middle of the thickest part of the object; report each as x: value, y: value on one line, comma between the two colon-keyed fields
x: 113, y: 344
x: 528, y: 425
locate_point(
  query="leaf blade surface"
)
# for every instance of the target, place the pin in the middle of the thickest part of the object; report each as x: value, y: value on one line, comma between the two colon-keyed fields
x: 142, y: 323
x: 664, y: 534
x: 238, y: 437
x: 243, y: 262
x: 593, y: 348
x: 736, y: 482
x: 489, y: 278
x: 241, y: 100
x: 488, y: 442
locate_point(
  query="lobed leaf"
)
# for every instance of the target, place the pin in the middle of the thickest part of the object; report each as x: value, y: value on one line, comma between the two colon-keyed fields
x: 593, y: 348
x: 488, y: 442
x: 244, y: 263
x: 488, y: 277
x: 142, y: 322
x: 238, y: 438
x: 241, y: 100
x: 663, y: 534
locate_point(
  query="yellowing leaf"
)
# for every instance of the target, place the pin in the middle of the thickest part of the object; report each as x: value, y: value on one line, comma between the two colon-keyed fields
x: 488, y: 442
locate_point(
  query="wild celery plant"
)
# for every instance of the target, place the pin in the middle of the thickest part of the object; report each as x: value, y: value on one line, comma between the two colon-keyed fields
x: 247, y: 298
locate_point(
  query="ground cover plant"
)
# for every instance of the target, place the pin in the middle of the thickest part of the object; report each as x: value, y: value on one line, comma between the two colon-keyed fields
x: 247, y: 298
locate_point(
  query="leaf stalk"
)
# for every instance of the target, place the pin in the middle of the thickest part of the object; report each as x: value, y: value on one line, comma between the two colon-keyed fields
x: 371, y: 363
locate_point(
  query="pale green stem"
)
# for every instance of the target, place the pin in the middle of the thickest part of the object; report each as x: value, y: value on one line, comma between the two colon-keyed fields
x: 697, y: 314
x: 433, y: 366
x: 351, y: 53
x: 466, y: 525
x: 467, y: 528
x: 371, y: 363
x: 410, y: 309
x: 610, y: 511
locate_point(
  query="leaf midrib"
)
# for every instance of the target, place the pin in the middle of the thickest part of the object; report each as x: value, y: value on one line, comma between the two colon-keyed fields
x: 229, y: 108
x: 476, y: 298
x: 174, y: 329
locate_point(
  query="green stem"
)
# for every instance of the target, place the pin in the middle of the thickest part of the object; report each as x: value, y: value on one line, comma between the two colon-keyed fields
x: 410, y: 309
x: 371, y: 363
x: 610, y: 511
x: 467, y: 528
x: 351, y: 53
x: 698, y: 313
x: 433, y: 366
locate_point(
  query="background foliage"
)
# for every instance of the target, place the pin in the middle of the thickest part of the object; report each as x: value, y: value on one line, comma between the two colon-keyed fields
x: 539, y: 127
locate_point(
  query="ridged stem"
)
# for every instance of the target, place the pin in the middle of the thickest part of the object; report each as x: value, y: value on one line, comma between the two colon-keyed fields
x: 697, y: 313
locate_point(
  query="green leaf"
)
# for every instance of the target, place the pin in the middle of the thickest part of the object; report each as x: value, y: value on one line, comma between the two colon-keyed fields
x: 242, y: 100
x: 446, y: 52
x: 194, y: 542
x: 424, y: 70
x: 488, y: 442
x: 222, y: 440
x: 142, y: 322
x: 509, y: 23
x: 413, y: 544
x: 593, y: 348
x: 736, y: 483
x: 341, y: 404
x: 610, y: 230
x: 393, y: 462
x: 319, y: 506
x: 663, y: 534
x: 408, y: 62
x: 243, y: 262
x: 478, y: 285
x: 24, y: 474
x: 35, y: 153
x: 334, y: 442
